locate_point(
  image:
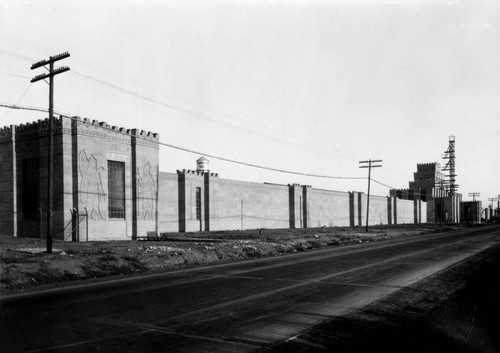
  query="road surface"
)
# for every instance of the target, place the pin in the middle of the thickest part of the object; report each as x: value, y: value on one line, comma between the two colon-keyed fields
x: 239, y: 307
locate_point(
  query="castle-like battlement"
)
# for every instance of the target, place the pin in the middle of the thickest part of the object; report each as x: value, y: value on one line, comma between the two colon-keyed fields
x: 196, y: 173
x: 152, y: 136
x: 433, y: 164
x: 6, y: 130
x: 40, y: 124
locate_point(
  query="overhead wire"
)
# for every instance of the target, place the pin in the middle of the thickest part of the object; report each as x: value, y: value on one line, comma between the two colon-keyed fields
x: 18, y: 100
x: 191, y: 111
x: 194, y: 115
x: 387, y: 186
x: 11, y: 106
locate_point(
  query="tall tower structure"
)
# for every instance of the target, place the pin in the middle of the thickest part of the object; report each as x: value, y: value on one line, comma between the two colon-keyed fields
x: 450, y: 166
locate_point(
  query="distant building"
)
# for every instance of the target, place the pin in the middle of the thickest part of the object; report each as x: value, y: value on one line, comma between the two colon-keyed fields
x: 471, y: 211
x: 429, y: 185
x: 428, y: 181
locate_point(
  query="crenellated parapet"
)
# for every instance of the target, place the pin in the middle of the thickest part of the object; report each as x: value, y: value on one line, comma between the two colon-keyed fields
x: 115, y: 133
x: 144, y: 138
x: 147, y: 135
x: 153, y: 136
x: 6, y: 134
x: 196, y: 173
x: 32, y: 127
x: 427, y: 164
x: 41, y: 127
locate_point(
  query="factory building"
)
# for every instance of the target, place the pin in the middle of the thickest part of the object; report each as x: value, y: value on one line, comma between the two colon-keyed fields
x: 429, y: 185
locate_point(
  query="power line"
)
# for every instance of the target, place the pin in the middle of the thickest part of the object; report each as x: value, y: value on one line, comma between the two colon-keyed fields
x: 387, y: 186
x: 194, y: 113
x: 11, y: 106
x: 21, y: 97
x: 186, y: 107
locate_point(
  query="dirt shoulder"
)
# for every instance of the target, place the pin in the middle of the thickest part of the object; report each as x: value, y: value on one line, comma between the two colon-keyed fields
x: 25, y: 265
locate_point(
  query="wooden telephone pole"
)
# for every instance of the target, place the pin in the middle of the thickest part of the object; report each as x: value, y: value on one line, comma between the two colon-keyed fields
x: 473, y: 195
x: 50, y: 75
x: 369, y: 166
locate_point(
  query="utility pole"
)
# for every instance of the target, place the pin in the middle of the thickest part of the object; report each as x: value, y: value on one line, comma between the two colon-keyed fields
x: 50, y: 176
x: 473, y: 195
x: 492, y: 200
x: 369, y: 166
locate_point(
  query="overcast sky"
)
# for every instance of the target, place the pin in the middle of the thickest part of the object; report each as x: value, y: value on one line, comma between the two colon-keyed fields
x: 305, y: 86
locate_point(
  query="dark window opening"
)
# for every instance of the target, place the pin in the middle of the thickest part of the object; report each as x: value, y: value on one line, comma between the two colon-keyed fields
x: 30, y: 188
x: 116, y: 189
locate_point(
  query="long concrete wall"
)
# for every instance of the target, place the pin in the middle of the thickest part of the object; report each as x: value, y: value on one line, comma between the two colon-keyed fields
x: 168, y: 202
x: 404, y: 211
x: 378, y: 210
x: 327, y: 208
x: 191, y: 201
x: 423, y: 213
x: 244, y: 205
x: 88, y: 160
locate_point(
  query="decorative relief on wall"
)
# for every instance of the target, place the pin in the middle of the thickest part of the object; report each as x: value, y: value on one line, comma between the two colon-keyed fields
x: 146, y: 193
x: 92, y: 193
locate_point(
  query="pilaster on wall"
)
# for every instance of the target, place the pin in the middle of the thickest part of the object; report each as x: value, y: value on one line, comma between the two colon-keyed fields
x: 295, y: 203
x: 206, y: 203
x: 63, y: 174
x: 305, y: 205
x: 361, y: 208
x: 188, y: 181
x: 395, y: 209
x: 74, y: 170
x: 145, y: 171
x: 391, y: 210
x: 356, y: 213
x: 417, y: 211
x: 181, y: 184
x: 8, y: 185
x: 353, y: 209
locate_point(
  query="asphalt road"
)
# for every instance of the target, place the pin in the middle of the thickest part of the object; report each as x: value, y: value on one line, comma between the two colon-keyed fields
x: 239, y: 307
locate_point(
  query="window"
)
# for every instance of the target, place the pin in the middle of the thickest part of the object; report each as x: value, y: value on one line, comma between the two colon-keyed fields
x: 30, y: 190
x: 116, y: 189
x: 198, y: 203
